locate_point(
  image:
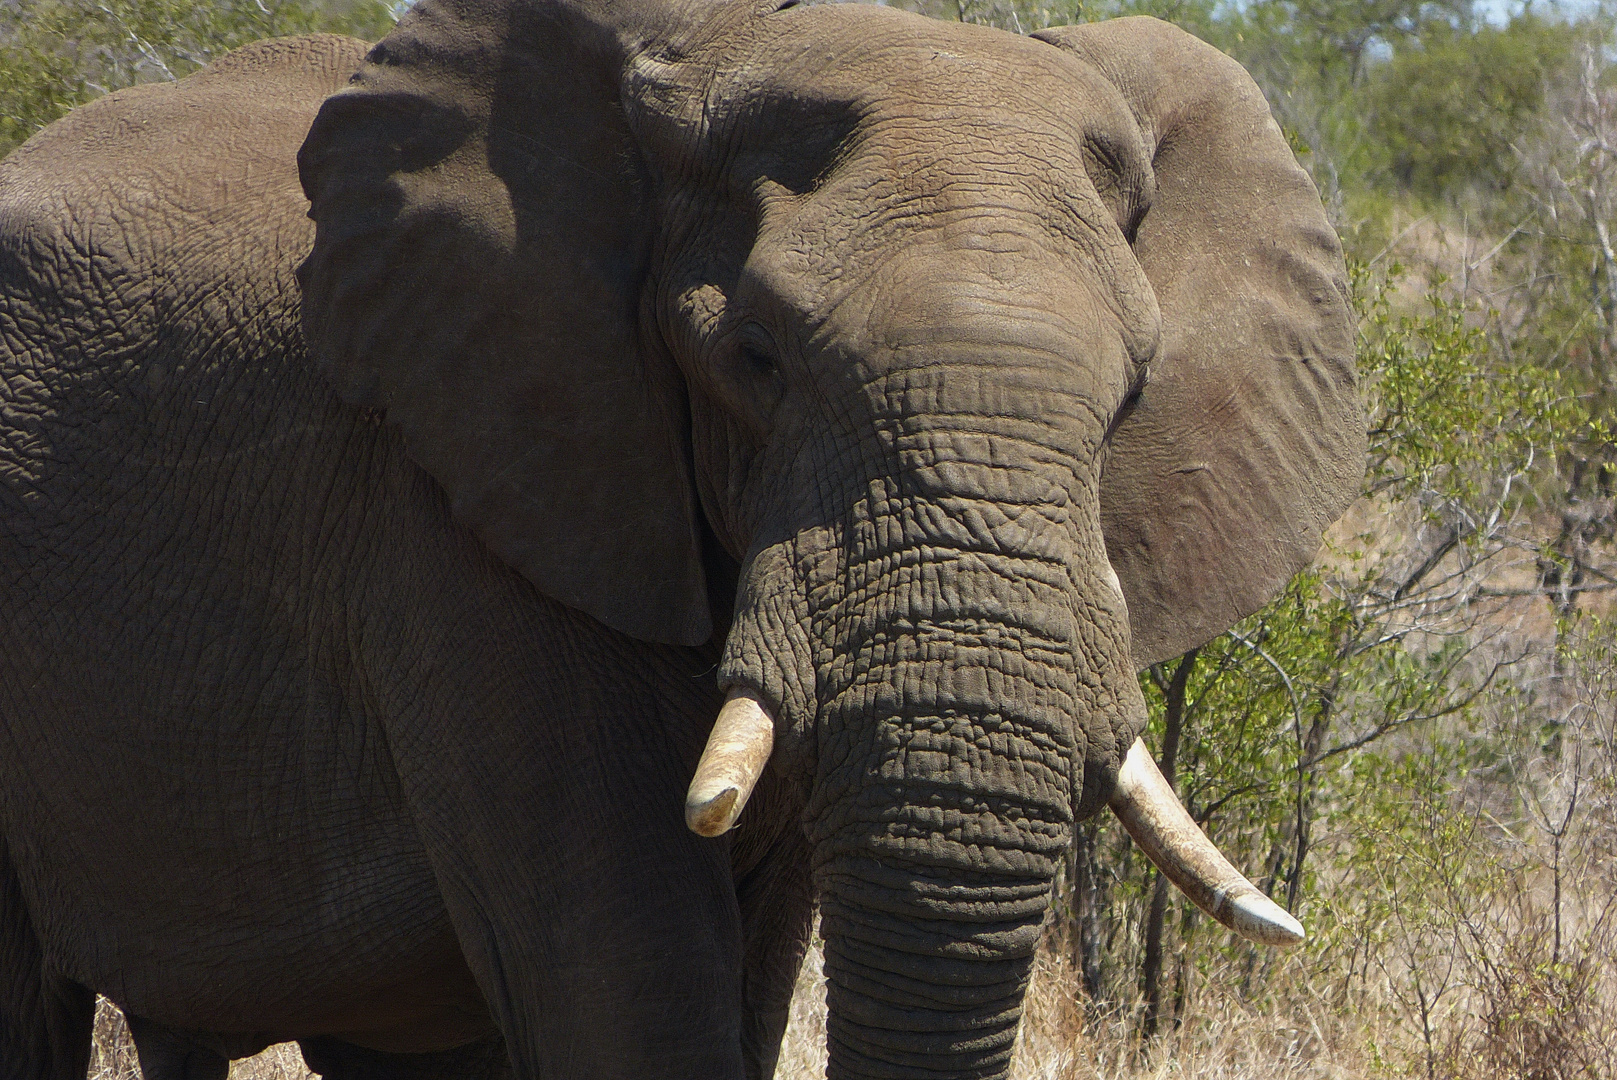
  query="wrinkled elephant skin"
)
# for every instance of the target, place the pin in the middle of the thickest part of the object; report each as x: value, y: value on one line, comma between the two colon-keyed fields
x: 373, y: 581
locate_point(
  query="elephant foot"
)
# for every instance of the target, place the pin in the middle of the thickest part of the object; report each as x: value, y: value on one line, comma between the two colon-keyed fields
x: 334, y: 1059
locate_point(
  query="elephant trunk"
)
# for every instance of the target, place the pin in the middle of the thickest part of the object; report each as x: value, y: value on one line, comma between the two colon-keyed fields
x: 944, y: 800
x: 925, y: 974
x: 947, y: 658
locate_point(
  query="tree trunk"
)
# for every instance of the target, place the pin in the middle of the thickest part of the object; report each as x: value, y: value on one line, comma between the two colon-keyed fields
x: 1087, y: 908
x: 1173, y: 729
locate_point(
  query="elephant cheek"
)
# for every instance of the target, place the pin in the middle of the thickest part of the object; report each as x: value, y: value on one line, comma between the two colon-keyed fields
x: 770, y: 648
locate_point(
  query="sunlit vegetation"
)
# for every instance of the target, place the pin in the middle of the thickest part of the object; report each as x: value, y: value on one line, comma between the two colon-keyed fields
x: 55, y: 54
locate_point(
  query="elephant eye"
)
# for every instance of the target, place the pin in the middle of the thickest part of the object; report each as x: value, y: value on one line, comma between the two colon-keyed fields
x: 756, y: 375
x: 758, y: 360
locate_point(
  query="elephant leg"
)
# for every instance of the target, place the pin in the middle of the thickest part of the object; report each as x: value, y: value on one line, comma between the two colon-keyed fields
x: 45, y: 1019
x: 165, y: 1055
x: 334, y: 1059
x: 604, y: 934
x: 777, y: 913
x: 601, y: 955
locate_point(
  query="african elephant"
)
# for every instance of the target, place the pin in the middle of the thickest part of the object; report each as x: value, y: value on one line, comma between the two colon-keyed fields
x: 892, y: 390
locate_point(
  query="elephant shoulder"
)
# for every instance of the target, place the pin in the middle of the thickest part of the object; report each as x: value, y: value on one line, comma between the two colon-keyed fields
x: 197, y: 176
x: 167, y: 209
x: 154, y: 230
x: 321, y: 63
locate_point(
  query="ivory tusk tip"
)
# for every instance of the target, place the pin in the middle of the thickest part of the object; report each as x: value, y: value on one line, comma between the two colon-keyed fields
x: 1258, y: 918
x: 737, y: 750
x: 1153, y: 815
x: 715, y: 815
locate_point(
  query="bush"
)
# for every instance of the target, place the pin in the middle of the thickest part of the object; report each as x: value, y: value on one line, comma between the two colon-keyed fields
x: 1449, y: 111
x: 57, y: 54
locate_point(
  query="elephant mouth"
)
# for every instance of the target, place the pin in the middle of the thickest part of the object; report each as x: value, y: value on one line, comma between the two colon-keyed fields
x: 744, y: 735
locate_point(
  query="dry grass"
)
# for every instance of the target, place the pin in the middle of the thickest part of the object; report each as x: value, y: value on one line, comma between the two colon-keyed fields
x: 113, y: 1055
x: 283, y: 1062
x: 1228, y: 1039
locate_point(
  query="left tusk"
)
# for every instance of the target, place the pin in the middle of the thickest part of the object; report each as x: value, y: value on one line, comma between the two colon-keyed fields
x: 1165, y: 831
x: 736, y: 753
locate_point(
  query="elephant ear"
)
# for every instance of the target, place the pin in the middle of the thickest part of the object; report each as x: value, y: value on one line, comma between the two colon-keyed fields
x: 1247, y: 439
x: 482, y: 230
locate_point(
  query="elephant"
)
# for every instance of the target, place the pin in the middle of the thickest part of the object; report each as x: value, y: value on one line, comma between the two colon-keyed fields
x: 501, y: 528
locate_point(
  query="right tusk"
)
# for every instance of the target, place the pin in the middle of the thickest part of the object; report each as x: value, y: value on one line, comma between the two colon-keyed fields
x: 736, y: 753
x: 1159, y: 824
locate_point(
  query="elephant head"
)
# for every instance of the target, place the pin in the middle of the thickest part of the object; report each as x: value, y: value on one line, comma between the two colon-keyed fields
x: 991, y: 368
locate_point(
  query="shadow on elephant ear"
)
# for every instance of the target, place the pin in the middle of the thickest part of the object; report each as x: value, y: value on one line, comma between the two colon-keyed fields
x: 527, y: 236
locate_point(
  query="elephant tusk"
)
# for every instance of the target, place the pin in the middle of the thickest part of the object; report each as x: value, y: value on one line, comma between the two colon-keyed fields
x: 1164, y: 830
x: 737, y: 750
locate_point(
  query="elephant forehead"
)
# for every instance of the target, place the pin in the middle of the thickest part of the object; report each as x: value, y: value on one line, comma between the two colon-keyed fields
x: 972, y: 263
x: 993, y: 211
x: 875, y: 56
x: 852, y: 127
x: 801, y: 83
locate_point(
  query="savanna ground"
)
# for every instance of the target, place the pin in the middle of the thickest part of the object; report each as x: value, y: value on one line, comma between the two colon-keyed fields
x: 1414, y: 748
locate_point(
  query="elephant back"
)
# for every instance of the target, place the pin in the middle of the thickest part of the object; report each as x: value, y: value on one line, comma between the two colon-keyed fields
x: 148, y: 242
x: 177, y: 205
